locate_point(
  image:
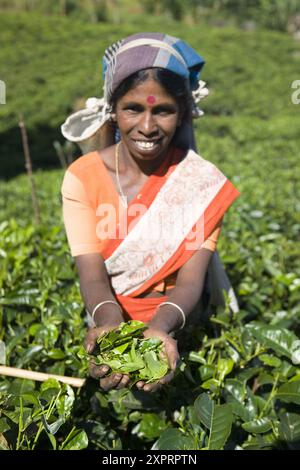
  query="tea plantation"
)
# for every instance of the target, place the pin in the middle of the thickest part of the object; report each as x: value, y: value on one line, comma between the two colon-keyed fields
x: 238, y: 386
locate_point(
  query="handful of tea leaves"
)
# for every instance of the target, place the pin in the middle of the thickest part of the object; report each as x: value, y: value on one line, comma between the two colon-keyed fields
x: 125, y: 350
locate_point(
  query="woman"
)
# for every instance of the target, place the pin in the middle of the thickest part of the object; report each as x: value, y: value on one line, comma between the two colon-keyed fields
x: 143, y: 215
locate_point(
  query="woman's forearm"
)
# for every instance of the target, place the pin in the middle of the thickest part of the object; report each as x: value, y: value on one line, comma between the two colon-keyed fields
x: 186, y: 294
x: 95, y: 288
x: 94, y: 292
x: 168, y: 318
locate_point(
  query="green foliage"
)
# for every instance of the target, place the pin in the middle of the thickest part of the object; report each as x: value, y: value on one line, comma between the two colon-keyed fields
x: 216, y: 418
x: 273, y: 14
x: 249, y: 78
x: 86, y: 10
x: 31, y: 416
x: 238, y: 384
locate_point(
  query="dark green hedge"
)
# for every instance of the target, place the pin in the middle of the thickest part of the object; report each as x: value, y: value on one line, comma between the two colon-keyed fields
x: 48, y: 63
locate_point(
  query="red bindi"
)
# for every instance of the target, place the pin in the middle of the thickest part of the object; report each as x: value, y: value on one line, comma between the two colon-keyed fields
x: 151, y: 99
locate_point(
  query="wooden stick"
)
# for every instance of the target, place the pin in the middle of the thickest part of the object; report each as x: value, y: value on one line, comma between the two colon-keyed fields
x: 28, y: 167
x: 40, y: 376
x: 60, y: 153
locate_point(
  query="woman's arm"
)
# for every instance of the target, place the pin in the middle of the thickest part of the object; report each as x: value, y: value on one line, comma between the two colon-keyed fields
x: 186, y: 294
x: 189, y: 285
x: 95, y: 288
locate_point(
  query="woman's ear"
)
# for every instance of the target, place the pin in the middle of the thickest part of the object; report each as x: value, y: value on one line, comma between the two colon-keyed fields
x: 113, y: 117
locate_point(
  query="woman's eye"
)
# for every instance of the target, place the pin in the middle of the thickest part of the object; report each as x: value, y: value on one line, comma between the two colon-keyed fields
x: 164, y: 111
x: 133, y: 109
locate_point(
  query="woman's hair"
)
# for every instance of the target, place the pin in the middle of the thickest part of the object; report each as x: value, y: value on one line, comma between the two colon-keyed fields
x: 174, y: 85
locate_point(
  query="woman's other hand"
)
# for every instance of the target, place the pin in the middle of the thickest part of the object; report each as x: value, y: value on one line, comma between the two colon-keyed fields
x: 171, y: 353
x: 107, y: 382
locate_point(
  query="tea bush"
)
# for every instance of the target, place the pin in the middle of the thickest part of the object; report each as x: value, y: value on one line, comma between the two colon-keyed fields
x: 51, y: 64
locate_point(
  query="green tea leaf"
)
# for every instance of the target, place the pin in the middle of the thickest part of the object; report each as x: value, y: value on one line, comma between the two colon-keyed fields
x: 279, y: 339
x: 220, y: 427
x: 289, y: 428
x: 77, y: 440
x: 217, y: 418
x: 204, y: 409
x: 258, y: 426
x: 155, y: 368
x: 270, y: 360
x: 225, y: 366
x: 150, y: 426
x: 125, y: 350
x: 289, y: 392
x: 173, y: 439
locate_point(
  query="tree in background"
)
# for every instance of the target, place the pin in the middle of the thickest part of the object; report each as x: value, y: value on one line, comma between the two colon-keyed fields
x: 273, y: 14
x: 90, y: 10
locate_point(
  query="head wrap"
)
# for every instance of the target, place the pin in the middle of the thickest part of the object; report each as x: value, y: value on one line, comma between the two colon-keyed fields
x: 147, y: 50
x: 124, y: 58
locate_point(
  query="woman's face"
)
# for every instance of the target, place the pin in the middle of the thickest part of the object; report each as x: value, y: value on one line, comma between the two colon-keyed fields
x: 147, y: 117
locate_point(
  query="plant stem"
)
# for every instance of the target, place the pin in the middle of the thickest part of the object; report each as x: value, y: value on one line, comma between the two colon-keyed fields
x: 271, y: 396
x: 37, y: 435
x: 20, y: 425
x: 66, y: 439
x: 28, y: 167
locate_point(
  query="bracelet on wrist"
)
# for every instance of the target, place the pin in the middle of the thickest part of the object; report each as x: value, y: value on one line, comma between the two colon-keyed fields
x: 179, y: 309
x: 100, y: 305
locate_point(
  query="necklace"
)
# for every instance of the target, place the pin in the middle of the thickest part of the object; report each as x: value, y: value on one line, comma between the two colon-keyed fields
x: 123, y: 197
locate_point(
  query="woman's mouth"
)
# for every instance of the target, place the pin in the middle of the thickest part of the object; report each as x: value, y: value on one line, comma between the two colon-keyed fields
x: 147, y: 145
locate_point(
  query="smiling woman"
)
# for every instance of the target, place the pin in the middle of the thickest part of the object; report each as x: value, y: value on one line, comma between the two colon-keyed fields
x: 143, y: 211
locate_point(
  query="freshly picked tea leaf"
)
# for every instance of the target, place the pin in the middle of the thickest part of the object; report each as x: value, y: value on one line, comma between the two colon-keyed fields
x: 125, y: 350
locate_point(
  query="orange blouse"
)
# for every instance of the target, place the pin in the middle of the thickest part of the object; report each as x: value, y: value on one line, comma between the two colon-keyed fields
x: 86, y: 185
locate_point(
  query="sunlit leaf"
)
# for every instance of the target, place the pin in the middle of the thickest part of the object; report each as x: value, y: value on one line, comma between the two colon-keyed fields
x: 289, y: 428
x: 150, y: 426
x: 173, y: 439
x: 225, y: 366
x: 289, y: 392
x: 204, y: 409
x: 76, y: 441
x: 258, y: 426
x: 280, y: 340
x: 217, y: 418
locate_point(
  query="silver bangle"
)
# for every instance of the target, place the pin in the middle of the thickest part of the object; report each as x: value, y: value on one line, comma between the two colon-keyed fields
x: 102, y: 303
x: 178, y: 308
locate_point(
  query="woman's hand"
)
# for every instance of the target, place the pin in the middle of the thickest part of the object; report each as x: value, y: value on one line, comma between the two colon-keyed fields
x: 99, y: 372
x: 171, y: 352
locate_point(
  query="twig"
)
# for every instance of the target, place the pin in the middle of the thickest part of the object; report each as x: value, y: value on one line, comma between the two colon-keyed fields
x: 40, y: 376
x: 69, y: 152
x: 28, y: 167
x: 60, y: 153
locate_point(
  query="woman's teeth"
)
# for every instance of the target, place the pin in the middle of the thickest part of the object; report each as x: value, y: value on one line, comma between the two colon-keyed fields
x: 144, y: 145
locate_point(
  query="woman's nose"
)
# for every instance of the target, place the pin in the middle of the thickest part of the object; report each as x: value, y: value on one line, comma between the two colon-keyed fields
x: 147, y: 124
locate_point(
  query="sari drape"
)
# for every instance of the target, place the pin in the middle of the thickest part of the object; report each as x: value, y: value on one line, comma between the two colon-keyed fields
x: 184, y: 182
